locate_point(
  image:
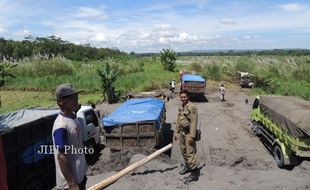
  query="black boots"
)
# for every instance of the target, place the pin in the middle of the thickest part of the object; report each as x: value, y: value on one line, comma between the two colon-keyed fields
x: 194, y: 176
x: 185, y: 170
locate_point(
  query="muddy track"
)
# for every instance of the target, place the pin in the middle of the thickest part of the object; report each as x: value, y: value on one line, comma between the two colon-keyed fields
x: 234, y: 157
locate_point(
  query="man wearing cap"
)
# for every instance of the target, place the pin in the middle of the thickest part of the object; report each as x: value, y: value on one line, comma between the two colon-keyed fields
x: 70, y: 168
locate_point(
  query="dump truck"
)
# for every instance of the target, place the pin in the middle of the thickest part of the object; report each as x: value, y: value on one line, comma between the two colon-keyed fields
x: 135, y: 123
x: 245, y: 79
x: 24, y: 133
x: 193, y: 83
x: 284, y: 123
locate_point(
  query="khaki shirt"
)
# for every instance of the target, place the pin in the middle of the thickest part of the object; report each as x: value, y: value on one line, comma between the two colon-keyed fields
x: 187, y: 119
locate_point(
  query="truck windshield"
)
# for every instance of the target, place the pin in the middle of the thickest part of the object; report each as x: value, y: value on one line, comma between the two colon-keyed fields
x: 90, y: 117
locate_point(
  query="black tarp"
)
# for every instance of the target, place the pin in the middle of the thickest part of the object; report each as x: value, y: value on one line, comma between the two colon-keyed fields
x: 17, y: 118
x: 289, y: 113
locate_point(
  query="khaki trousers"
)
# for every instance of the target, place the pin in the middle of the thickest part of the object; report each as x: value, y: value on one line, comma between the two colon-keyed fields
x: 188, y: 151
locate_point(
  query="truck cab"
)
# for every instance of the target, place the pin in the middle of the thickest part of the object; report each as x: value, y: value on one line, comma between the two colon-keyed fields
x: 245, y: 79
x: 90, y: 126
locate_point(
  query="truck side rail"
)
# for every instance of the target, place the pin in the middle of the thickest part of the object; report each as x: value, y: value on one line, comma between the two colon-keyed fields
x: 301, y: 147
x: 132, y: 134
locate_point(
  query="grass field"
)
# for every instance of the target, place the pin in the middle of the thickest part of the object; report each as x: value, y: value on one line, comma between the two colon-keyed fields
x: 35, y: 81
x: 14, y: 100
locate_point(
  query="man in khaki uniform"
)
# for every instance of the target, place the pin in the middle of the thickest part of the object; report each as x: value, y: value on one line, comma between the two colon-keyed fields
x: 186, y: 131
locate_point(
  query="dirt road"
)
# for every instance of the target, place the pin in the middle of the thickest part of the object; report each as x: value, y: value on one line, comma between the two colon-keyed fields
x: 234, y: 158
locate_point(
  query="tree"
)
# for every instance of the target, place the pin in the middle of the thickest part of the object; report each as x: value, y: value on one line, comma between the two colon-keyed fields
x: 5, y: 71
x: 108, y: 74
x: 167, y: 58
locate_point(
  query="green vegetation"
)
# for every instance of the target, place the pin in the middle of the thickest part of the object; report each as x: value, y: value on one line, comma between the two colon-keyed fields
x: 282, y: 75
x: 108, y: 74
x: 168, y: 58
x: 14, y: 100
x: 52, y: 46
x: 136, y: 74
x: 5, y: 71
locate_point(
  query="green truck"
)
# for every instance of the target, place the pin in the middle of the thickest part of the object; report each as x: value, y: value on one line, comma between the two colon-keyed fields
x: 283, y: 122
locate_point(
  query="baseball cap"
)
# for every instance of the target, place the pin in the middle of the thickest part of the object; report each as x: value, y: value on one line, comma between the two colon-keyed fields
x: 64, y: 90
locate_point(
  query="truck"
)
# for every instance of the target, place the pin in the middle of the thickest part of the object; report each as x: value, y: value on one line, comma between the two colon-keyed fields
x: 283, y: 122
x: 245, y: 79
x: 193, y: 83
x: 136, y: 123
x: 24, y: 133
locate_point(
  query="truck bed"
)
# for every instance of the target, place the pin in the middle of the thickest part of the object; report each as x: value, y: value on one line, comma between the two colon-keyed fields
x: 137, y: 122
x: 290, y: 113
x: 194, y: 84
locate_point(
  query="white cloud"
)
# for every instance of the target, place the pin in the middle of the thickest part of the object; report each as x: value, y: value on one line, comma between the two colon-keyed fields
x: 291, y: 7
x: 228, y: 22
x: 247, y: 37
x: 100, y: 37
x: 3, y: 30
x: 183, y: 35
x: 23, y: 32
x: 88, y: 12
x: 163, y: 24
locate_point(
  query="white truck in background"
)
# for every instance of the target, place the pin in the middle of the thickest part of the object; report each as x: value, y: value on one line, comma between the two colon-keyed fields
x: 91, y: 126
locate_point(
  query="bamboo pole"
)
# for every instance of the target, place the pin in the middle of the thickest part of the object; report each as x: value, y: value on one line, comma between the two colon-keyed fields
x: 128, y: 169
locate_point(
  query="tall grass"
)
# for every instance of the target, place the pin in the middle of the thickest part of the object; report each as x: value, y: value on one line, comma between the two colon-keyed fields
x: 137, y: 74
x: 286, y: 75
x: 38, y: 68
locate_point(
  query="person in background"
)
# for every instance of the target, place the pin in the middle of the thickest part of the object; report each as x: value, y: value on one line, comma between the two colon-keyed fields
x: 172, y: 86
x: 222, y: 93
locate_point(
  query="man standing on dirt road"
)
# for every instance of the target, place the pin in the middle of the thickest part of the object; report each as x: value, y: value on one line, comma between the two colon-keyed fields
x: 185, y: 131
x: 70, y: 167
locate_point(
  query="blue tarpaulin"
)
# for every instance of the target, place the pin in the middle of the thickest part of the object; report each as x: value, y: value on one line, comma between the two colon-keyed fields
x: 136, y: 110
x: 190, y: 77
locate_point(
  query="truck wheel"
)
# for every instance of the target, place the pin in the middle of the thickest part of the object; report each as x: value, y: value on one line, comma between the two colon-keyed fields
x: 278, y: 156
x: 254, y: 128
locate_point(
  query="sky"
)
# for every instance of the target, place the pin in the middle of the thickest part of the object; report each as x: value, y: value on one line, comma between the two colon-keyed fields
x: 149, y: 26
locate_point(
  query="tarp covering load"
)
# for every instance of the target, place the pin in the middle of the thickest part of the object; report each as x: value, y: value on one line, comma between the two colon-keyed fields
x: 136, y: 110
x: 14, y: 119
x: 190, y: 77
x: 290, y: 113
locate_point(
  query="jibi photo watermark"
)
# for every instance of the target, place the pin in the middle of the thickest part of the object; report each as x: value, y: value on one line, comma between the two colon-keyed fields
x: 68, y: 149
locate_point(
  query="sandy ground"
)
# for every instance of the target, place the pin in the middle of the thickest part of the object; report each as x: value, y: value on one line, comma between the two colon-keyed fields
x: 233, y: 157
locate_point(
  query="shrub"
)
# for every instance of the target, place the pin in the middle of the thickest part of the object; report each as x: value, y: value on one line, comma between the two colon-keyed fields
x: 168, y: 58
x: 108, y: 74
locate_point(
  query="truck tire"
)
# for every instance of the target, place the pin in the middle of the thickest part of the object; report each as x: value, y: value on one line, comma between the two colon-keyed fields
x: 254, y: 128
x: 278, y: 156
